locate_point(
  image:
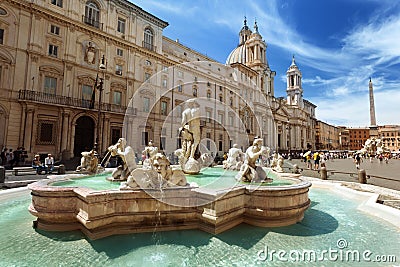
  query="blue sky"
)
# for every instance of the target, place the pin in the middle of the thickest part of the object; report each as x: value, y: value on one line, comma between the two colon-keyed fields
x: 338, y: 45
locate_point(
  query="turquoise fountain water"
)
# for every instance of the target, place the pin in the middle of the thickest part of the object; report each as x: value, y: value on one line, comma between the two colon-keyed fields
x: 331, y: 222
x: 216, y: 178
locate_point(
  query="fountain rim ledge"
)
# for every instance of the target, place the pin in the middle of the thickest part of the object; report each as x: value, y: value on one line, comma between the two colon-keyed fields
x: 369, y: 205
x: 109, y: 212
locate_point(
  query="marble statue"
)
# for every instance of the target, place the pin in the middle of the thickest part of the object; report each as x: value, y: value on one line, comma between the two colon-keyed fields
x: 127, y: 155
x: 149, y: 151
x: 249, y: 172
x: 160, y: 176
x: 235, y: 158
x: 277, y: 162
x: 190, y: 135
x: 89, y: 162
x: 374, y: 146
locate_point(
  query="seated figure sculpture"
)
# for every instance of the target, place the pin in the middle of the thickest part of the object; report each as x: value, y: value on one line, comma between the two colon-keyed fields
x: 234, y: 160
x: 89, y: 162
x: 277, y: 162
x: 128, y: 160
x: 160, y: 176
x: 249, y: 172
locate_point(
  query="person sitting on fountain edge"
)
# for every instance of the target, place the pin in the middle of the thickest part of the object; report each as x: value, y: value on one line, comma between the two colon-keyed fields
x: 37, y: 164
x: 49, y: 163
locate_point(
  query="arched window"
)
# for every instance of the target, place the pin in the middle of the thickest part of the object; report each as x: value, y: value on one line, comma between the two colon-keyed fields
x: 148, y: 41
x: 92, y: 14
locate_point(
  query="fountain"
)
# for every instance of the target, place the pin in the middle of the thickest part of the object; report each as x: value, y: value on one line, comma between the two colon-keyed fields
x: 161, y: 190
x: 325, y: 226
x: 374, y: 146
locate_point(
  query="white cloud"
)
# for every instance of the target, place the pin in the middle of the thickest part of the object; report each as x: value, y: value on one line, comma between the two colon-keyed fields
x: 353, y: 110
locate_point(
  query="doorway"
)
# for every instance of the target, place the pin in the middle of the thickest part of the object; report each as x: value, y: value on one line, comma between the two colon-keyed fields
x: 84, y: 135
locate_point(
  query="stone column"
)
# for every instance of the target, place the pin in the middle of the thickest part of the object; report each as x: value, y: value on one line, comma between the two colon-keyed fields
x: 106, y: 132
x: 65, y: 135
x: 28, y: 128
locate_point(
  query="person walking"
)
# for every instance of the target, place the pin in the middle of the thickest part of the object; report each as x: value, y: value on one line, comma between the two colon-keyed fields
x: 357, y: 160
x: 316, y: 159
x: 3, y: 156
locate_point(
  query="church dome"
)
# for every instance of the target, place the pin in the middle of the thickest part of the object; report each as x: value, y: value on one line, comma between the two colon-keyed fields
x: 238, y: 55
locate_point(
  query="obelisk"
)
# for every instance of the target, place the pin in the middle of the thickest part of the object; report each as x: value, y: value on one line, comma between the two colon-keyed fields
x: 373, y: 128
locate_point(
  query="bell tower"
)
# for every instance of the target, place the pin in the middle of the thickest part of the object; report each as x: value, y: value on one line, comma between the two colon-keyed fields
x: 294, y: 89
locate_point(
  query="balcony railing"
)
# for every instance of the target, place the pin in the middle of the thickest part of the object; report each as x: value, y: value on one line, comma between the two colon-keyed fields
x: 92, y: 22
x: 50, y: 99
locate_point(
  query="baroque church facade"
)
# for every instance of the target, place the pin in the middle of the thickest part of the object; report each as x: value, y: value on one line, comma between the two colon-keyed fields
x: 73, y: 73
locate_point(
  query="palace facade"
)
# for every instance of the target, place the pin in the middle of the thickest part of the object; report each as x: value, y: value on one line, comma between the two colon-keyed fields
x: 75, y: 73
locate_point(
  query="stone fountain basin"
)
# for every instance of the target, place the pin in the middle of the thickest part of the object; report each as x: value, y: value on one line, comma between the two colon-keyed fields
x: 109, y: 212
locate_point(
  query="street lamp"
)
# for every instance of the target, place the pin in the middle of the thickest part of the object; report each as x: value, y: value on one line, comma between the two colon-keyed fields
x: 99, y: 86
x: 288, y: 136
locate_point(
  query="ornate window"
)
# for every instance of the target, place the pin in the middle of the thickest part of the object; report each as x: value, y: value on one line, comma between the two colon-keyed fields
x: 121, y: 25
x: 146, y: 104
x: 57, y: 2
x: 120, y: 52
x: 53, y: 50
x: 55, y: 29
x: 148, y: 42
x: 179, y: 111
x: 231, y: 121
x: 208, y: 115
x: 117, y: 98
x: 92, y: 14
x: 164, y: 108
x: 118, y: 69
x: 46, y: 133
x: 221, y: 118
x: 87, y: 94
x: 50, y: 85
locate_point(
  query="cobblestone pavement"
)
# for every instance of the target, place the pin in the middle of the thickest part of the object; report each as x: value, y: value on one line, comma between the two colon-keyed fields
x: 374, y: 169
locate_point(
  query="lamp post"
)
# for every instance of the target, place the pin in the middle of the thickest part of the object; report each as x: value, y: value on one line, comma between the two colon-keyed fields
x: 99, y: 86
x: 288, y: 136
